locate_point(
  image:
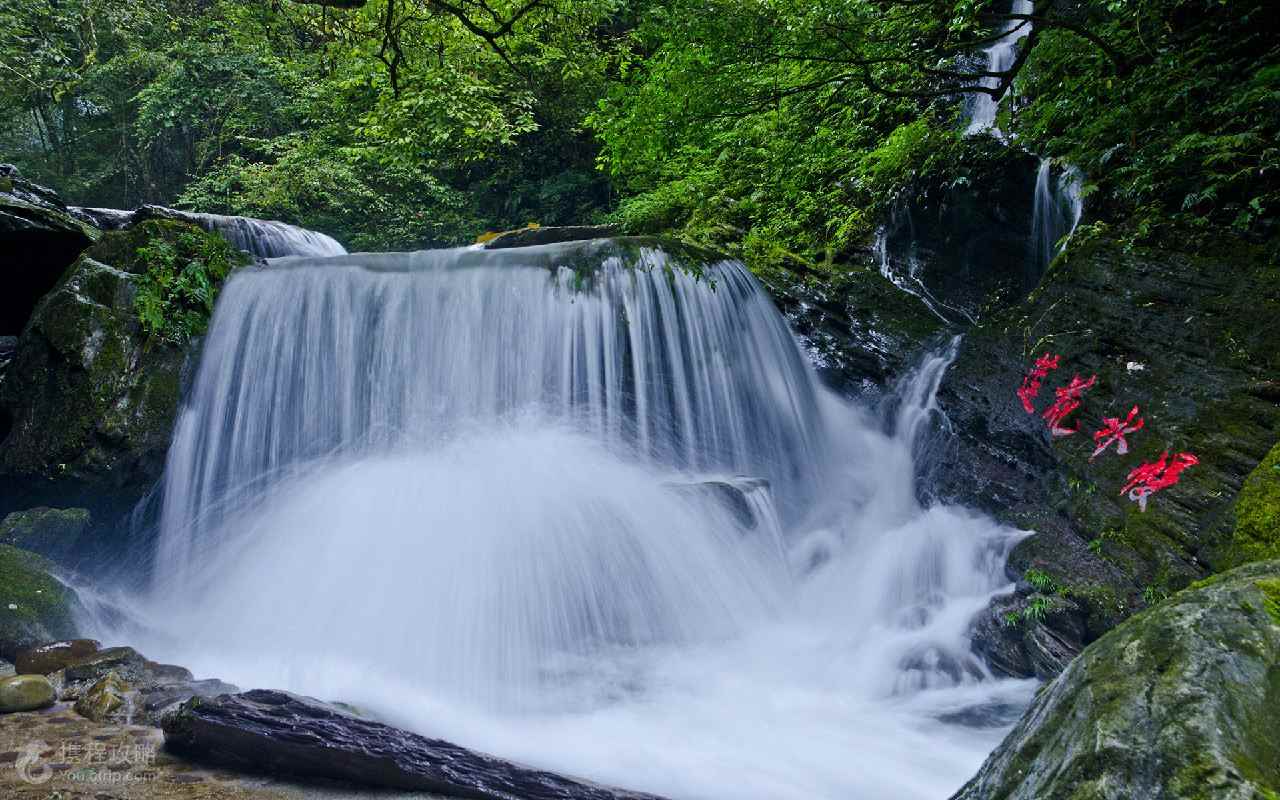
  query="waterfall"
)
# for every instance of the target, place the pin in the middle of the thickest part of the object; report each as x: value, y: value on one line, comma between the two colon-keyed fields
x: 585, y: 506
x: 268, y: 238
x: 258, y: 237
x: 999, y: 57
x: 1056, y: 211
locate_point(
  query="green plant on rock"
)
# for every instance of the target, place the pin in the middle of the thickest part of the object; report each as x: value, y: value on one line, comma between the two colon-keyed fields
x: 1153, y: 594
x: 1037, y: 609
x: 179, y: 283
x: 1042, y: 581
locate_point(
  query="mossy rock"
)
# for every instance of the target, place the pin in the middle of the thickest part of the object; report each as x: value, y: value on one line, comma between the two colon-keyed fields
x: 91, y: 400
x: 1190, y: 337
x: 26, y: 693
x: 1179, y: 702
x: 52, y: 532
x: 1257, y: 532
x: 120, y: 248
x: 34, y: 607
x: 108, y: 698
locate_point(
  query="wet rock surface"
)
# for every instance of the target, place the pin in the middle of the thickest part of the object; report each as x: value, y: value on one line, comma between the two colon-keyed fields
x: 741, y: 496
x: 56, y: 753
x: 1180, y: 701
x: 1194, y: 341
x: 286, y: 734
x: 857, y: 328
x: 965, y: 242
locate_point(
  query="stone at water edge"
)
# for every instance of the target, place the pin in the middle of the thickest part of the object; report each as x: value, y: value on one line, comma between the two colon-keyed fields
x: 108, y: 698
x: 285, y: 734
x: 48, y: 658
x: 26, y: 693
x: 1180, y: 702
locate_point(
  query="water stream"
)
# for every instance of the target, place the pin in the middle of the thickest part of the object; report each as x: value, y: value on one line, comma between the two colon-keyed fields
x: 999, y: 56
x: 499, y: 498
x: 1056, y: 210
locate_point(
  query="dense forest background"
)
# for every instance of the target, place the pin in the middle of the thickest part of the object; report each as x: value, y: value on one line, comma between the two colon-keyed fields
x: 775, y: 126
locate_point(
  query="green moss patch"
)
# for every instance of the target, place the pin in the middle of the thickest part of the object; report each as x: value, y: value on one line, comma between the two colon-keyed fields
x: 1257, y: 532
x: 34, y: 607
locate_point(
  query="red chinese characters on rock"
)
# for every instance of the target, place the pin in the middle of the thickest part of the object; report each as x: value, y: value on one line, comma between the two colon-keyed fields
x: 1067, y: 400
x: 1113, y: 432
x: 1031, y: 383
x: 1150, y: 478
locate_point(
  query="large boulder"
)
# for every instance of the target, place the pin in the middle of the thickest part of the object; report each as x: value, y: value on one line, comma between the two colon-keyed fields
x: 34, y: 606
x: 1180, y: 702
x: 1257, y: 514
x: 90, y: 399
x: 39, y: 238
x: 1193, y: 339
x: 285, y: 734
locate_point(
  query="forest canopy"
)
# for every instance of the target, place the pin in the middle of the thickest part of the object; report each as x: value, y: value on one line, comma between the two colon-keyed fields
x: 770, y: 123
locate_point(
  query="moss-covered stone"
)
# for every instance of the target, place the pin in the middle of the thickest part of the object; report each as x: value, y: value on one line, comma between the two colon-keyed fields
x: 91, y: 398
x: 1178, y: 702
x: 108, y: 698
x: 26, y: 693
x: 34, y: 607
x: 1257, y: 513
x: 52, y: 532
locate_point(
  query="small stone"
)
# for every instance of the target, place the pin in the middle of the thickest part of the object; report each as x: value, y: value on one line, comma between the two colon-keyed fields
x: 26, y: 693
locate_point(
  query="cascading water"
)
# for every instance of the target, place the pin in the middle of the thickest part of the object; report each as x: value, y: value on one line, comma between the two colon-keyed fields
x: 999, y: 56
x: 1056, y: 211
x: 483, y: 494
x: 260, y: 237
x: 268, y: 238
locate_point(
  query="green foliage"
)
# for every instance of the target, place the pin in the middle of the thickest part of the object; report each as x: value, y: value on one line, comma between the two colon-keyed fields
x: 179, y: 281
x: 1041, y: 581
x: 779, y: 128
x: 1188, y: 132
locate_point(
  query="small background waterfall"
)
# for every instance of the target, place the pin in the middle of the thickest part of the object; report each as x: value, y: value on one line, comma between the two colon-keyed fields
x: 999, y: 56
x: 584, y: 506
x: 1056, y: 212
x: 260, y: 237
